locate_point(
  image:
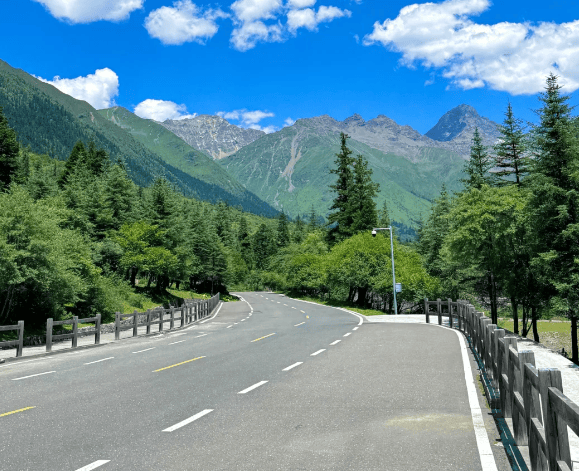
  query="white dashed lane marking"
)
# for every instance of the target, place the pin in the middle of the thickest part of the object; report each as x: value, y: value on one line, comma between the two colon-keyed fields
x: 335, y: 342
x: 293, y: 366
x: 355, y: 328
x: 318, y: 352
x: 251, y: 388
x: 188, y: 421
x: 98, y: 361
x: 31, y: 376
x: 299, y: 324
x: 173, y: 343
x: 94, y: 465
x: 145, y: 350
x: 349, y: 333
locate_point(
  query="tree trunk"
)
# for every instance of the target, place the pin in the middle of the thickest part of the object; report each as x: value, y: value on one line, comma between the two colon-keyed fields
x: 177, y: 284
x: 133, y: 275
x: 574, y: 356
x: 534, y: 320
x: 351, y: 294
x: 525, y: 317
x: 362, y: 296
x: 515, y: 307
x: 493, y: 295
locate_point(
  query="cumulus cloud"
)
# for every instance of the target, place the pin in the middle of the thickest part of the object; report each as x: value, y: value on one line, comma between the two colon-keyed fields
x: 161, y: 110
x: 183, y: 22
x: 249, y: 119
x: 511, y: 57
x: 98, y: 89
x: 261, y: 20
x: 310, y: 19
x: 289, y: 122
x: 82, y: 11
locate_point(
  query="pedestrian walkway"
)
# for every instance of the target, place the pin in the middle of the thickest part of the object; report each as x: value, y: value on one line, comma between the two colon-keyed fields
x: 544, y: 358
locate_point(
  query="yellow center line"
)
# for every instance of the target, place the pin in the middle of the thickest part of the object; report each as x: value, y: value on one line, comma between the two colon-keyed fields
x: 182, y: 363
x: 16, y: 411
x: 265, y: 336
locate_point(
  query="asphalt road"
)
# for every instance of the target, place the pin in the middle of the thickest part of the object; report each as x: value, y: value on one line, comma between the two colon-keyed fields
x: 271, y: 384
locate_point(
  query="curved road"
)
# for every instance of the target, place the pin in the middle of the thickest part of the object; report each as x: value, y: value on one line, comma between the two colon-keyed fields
x: 270, y: 383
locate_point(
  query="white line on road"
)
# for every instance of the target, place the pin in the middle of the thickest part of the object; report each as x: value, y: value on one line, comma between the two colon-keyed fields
x: 38, y: 374
x: 251, y: 388
x: 202, y: 335
x: 229, y: 326
x: 173, y: 343
x: 145, y: 350
x: 318, y: 352
x: 218, y: 309
x: 98, y: 361
x: 188, y: 421
x: 285, y: 304
x: 349, y: 333
x: 242, y: 320
x: 279, y: 302
x: 293, y: 366
x: 299, y: 324
x: 235, y: 323
x: 355, y: 328
x: 335, y: 342
x: 302, y: 311
x: 94, y: 465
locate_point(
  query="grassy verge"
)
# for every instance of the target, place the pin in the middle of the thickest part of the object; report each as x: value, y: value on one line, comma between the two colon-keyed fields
x: 554, y: 334
x: 335, y: 303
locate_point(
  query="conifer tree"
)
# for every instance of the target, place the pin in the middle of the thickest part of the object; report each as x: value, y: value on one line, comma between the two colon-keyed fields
x: 477, y: 168
x: 384, y: 216
x: 298, y: 233
x: 9, y: 150
x: 341, y: 219
x: 283, y: 233
x: 313, y: 220
x: 77, y: 155
x: 362, y: 204
x: 510, y: 158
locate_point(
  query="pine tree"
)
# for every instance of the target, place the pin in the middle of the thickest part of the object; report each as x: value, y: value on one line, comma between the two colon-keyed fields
x: 283, y: 233
x: 22, y: 173
x: 477, y: 168
x: 9, y: 150
x: 313, y: 223
x: 76, y: 157
x: 341, y: 220
x: 510, y: 158
x: 362, y: 204
x: 384, y: 216
x: 245, y: 242
x: 298, y: 233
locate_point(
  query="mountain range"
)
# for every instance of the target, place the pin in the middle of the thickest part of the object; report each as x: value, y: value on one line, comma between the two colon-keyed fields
x: 211, y: 159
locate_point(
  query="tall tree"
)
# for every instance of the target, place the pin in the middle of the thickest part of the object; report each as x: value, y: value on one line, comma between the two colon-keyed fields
x: 9, y: 150
x: 555, y: 205
x: 313, y: 222
x: 341, y: 219
x: 384, y: 216
x: 477, y: 168
x: 76, y: 157
x: 510, y: 150
x: 283, y: 232
x: 362, y: 204
x: 299, y: 231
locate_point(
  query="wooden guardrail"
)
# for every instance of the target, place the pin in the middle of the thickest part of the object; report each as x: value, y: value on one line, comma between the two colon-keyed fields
x: 20, y: 342
x: 191, y: 311
x: 532, y: 397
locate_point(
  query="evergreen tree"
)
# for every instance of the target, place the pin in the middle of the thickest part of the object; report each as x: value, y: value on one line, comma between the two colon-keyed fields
x: 554, y: 206
x: 342, y: 219
x: 95, y: 159
x: 283, y: 233
x: 313, y: 223
x: 363, y: 192
x: 245, y: 242
x: 76, y: 157
x: 510, y: 158
x: 9, y: 150
x: 23, y: 170
x: 384, y: 216
x: 299, y: 231
x: 477, y: 168
x: 263, y: 244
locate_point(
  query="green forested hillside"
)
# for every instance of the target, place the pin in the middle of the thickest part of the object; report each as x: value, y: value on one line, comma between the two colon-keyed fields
x: 50, y: 121
x: 290, y: 170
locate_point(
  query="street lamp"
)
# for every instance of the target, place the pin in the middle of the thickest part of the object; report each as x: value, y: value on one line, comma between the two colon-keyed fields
x: 374, y: 232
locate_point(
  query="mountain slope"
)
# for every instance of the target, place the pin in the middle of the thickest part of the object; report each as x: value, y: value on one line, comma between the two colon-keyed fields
x: 290, y: 169
x: 212, y: 134
x: 179, y: 154
x: 52, y: 122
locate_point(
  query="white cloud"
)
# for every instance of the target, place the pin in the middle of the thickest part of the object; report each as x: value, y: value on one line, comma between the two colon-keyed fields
x: 161, y: 110
x: 183, y: 22
x: 512, y: 57
x: 261, y: 20
x: 98, y: 89
x: 289, y: 122
x: 83, y: 11
x: 249, y: 119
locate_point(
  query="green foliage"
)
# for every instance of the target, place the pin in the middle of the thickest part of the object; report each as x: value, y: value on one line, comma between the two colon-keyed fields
x: 510, y: 150
x: 477, y: 168
x: 9, y: 150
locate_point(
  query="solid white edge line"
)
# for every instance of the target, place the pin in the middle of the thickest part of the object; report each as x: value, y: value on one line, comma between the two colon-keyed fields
x: 335, y: 342
x: 188, y: 421
x: 299, y: 324
x: 345, y: 335
x: 173, y: 343
x: 94, y: 465
x: 37, y: 374
x: 218, y: 309
x: 145, y: 350
x: 98, y: 361
x: 293, y: 366
x: 318, y: 352
x: 251, y: 388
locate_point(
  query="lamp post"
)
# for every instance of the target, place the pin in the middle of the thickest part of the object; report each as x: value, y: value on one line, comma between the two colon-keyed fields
x: 374, y: 232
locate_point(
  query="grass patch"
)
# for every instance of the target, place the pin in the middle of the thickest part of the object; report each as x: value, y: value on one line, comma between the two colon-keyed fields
x: 562, y: 327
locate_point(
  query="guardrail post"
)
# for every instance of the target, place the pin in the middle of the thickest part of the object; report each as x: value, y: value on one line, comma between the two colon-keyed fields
x: 161, y: 314
x: 20, y: 345
x: 148, y: 321
x: 49, y: 334
x: 172, y: 324
x: 459, y: 313
x: 183, y: 314
x: 483, y: 336
x: 449, y: 312
x: 519, y: 417
x: 426, y: 310
x: 97, y: 327
x: 135, y: 323
x: 74, y: 331
x: 490, y: 352
x: 505, y: 379
x: 117, y: 325
x: 497, y: 358
x: 439, y: 311
x: 555, y: 429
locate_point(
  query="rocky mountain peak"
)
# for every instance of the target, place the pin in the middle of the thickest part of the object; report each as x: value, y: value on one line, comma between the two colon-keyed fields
x: 355, y: 120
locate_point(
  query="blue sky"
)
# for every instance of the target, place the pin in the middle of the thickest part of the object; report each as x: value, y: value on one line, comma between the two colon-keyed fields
x: 264, y: 63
